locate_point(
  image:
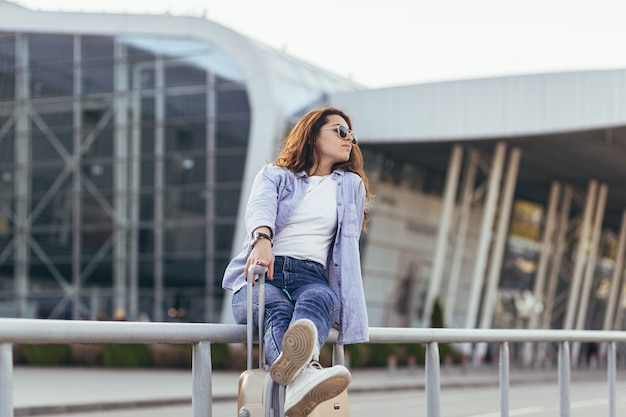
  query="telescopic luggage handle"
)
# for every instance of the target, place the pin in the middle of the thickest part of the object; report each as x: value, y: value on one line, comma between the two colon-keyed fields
x: 255, y: 271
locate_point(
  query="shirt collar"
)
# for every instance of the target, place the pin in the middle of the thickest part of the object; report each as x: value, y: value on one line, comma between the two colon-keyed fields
x: 303, y: 174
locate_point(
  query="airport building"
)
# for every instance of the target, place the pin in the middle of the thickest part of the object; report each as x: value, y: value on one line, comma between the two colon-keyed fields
x: 128, y: 145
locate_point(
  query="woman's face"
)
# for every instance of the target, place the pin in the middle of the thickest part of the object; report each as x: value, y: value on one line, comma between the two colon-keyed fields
x: 331, y: 148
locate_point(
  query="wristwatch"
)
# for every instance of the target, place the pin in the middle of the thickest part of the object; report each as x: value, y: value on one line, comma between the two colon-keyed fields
x: 258, y: 236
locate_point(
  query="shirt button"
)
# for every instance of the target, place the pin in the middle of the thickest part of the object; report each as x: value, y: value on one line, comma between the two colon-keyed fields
x: 339, y: 203
x: 336, y: 264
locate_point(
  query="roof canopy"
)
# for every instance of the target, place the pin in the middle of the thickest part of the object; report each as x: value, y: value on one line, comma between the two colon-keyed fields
x: 571, y: 127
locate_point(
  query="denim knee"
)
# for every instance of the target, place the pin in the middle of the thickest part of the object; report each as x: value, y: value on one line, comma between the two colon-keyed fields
x: 278, y: 314
x: 320, y: 304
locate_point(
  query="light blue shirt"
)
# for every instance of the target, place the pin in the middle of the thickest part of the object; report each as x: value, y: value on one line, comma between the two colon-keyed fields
x: 276, y: 192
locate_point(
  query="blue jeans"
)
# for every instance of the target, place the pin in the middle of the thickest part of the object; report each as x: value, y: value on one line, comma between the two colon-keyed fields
x: 299, y: 290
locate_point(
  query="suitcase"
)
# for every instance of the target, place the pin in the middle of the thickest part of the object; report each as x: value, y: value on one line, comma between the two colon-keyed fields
x: 258, y: 395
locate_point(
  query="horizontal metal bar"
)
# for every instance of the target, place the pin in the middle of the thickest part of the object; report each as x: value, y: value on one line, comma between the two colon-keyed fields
x: 412, y: 335
x: 84, y: 331
x: 36, y: 331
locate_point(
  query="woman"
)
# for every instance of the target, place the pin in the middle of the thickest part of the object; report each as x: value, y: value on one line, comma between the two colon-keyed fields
x: 304, y: 218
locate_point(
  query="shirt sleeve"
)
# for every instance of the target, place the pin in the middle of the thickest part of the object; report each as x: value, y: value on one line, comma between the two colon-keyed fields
x: 360, y: 201
x: 262, y: 204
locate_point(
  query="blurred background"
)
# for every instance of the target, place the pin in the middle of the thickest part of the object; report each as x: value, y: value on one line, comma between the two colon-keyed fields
x: 493, y: 137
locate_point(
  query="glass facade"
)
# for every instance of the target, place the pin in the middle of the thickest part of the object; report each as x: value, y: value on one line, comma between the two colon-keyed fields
x: 121, y: 163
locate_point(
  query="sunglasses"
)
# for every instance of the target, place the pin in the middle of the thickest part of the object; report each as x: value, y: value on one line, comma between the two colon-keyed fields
x: 343, y: 132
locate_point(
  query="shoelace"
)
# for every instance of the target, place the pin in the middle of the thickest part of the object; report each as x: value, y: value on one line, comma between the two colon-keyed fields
x: 313, y: 366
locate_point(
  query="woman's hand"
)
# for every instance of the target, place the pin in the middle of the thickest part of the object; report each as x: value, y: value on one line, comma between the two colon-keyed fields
x: 261, y: 255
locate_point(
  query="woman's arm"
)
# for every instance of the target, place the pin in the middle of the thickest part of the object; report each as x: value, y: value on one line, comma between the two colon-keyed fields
x: 261, y: 253
x: 261, y: 213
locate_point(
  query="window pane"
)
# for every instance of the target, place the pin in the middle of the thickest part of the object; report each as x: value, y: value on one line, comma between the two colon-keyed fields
x: 7, y: 51
x: 183, y: 241
x: 146, y: 242
x: 7, y: 67
x: 144, y: 75
x: 97, y: 76
x: 230, y: 167
x: 50, y: 49
x: 146, y: 207
x: 180, y: 137
x: 232, y: 102
x: 147, y: 111
x: 184, y: 75
x: 183, y: 169
x: 98, y: 172
x: 7, y: 84
x: 51, y: 80
x: 95, y: 210
x: 52, y: 135
x: 97, y: 137
x: 184, y: 205
x: 97, y: 55
x: 147, y: 172
x: 7, y: 149
x: 96, y: 231
x: 233, y: 133
x: 56, y: 213
x: 223, y: 236
x: 187, y: 106
x: 181, y: 273
x: 96, y: 47
x: 44, y: 177
x: 226, y: 202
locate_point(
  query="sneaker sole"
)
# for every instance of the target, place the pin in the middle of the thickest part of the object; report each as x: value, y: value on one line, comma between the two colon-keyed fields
x: 298, y: 347
x: 324, y: 391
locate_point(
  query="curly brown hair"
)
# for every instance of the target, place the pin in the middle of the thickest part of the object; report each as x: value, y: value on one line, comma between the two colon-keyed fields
x: 299, y: 152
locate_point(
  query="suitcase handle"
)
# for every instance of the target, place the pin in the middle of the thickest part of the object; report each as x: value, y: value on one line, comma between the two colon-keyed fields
x: 256, y: 271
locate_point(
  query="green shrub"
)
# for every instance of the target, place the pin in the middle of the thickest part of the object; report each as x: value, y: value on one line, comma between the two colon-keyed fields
x: 18, y: 354
x: 446, y: 349
x: 437, y: 321
x: 356, y: 354
x: 220, y: 353
x: 436, y: 318
x: 127, y: 356
x: 171, y: 356
x: 379, y: 354
x: 47, y: 355
x: 86, y: 354
x: 418, y: 351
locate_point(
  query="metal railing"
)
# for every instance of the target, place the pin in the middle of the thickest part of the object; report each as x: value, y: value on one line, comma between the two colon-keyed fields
x: 201, y: 336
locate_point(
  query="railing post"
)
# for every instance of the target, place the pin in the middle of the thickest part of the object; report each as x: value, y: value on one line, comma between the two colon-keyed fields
x: 6, y: 380
x: 504, y: 379
x: 432, y: 380
x: 564, y: 378
x: 338, y: 355
x: 611, y: 370
x: 201, y: 370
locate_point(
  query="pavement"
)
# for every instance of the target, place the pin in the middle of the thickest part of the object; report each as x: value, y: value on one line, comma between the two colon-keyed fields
x: 49, y: 390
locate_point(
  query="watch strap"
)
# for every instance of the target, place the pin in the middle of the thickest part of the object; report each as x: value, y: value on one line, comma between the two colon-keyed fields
x: 258, y: 236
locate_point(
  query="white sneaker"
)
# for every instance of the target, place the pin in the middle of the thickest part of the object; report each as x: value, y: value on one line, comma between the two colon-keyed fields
x: 313, y: 386
x: 299, y: 346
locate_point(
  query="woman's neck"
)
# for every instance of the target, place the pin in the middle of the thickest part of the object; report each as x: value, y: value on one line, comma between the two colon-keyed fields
x: 320, y: 171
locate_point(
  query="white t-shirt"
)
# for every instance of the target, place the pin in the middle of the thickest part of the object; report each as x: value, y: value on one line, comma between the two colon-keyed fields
x: 309, y: 231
